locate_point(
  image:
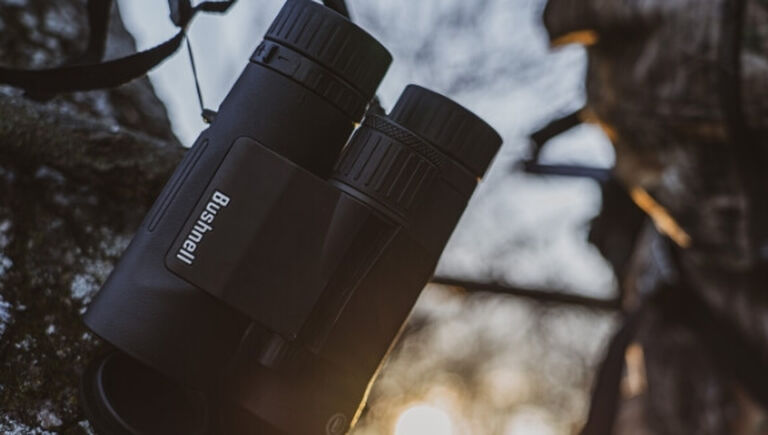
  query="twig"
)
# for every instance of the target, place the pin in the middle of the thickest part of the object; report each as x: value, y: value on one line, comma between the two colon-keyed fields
x: 540, y: 295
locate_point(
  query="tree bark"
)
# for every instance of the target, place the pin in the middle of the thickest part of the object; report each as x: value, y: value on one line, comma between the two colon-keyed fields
x: 77, y: 173
x: 653, y: 78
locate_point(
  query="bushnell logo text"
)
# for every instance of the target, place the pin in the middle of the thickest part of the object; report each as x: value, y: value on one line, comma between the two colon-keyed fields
x: 203, y: 225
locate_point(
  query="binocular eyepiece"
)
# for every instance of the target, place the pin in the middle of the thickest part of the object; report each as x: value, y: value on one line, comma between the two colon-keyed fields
x: 269, y: 280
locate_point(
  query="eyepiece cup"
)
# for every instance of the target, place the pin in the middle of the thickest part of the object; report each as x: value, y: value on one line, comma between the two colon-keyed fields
x: 450, y: 127
x: 123, y: 397
x: 333, y: 41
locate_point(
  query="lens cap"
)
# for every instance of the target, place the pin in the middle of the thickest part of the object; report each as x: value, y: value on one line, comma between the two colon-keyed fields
x: 450, y: 127
x: 333, y: 41
x: 122, y: 396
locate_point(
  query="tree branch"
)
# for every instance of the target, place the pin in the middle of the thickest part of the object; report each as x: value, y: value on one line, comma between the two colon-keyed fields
x: 539, y: 295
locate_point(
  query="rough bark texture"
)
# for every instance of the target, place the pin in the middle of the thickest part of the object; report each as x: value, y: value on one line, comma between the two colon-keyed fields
x: 77, y: 173
x: 654, y: 77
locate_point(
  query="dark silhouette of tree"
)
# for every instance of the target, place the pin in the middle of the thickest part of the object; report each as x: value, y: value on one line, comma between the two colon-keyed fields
x: 77, y: 173
x: 671, y: 79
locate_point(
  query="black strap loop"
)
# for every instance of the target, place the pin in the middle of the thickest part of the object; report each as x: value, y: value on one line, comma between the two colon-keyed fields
x: 555, y: 128
x: 100, y: 75
x: 91, y: 76
x: 98, y: 24
x: 181, y: 12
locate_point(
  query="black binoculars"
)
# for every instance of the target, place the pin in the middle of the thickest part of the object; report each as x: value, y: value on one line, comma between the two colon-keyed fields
x: 272, y: 275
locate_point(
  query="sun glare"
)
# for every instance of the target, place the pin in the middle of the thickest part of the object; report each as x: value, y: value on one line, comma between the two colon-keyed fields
x: 424, y: 420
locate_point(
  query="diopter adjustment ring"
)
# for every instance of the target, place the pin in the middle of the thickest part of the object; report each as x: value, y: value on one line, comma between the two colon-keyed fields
x: 312, y: 75
x: 395, y: 168
x: 448, y: 169
x: 333, y: 41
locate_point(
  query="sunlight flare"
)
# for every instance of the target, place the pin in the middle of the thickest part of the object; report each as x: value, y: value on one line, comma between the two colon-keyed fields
x: 423, y: 419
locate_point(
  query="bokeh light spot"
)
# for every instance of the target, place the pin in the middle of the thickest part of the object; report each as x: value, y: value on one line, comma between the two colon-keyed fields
x: 424, y: 420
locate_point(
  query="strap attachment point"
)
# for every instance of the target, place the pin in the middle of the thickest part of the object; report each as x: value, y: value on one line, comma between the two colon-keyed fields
x: 112, y: 73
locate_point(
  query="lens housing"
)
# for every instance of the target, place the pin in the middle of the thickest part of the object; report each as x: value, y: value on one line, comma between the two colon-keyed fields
x: 392, y: 162
x: 122, y: 396
x: 326, y: 53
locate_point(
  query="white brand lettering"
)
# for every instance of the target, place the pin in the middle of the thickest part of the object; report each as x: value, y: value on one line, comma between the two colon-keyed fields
x: 204, y: 224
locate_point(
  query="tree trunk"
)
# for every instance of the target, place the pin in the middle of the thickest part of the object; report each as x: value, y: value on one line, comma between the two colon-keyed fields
x: 77, y: 173
x: 654, y: 80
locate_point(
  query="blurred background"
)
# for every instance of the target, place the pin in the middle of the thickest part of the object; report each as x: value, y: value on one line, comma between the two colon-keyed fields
x: 477, y: 363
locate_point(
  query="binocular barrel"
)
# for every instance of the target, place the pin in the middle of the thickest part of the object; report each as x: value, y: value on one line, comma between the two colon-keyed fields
x: 299, y: 97
x: 269, y: 280
x: 399, y: 189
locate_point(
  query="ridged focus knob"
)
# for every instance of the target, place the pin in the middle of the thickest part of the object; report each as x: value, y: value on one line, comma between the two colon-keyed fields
x: 451, y: 128
x: 386, y: 167
x: 331, y: 40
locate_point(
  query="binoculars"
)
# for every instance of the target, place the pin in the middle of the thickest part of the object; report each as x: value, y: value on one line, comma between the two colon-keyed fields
x: 277, y: 267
